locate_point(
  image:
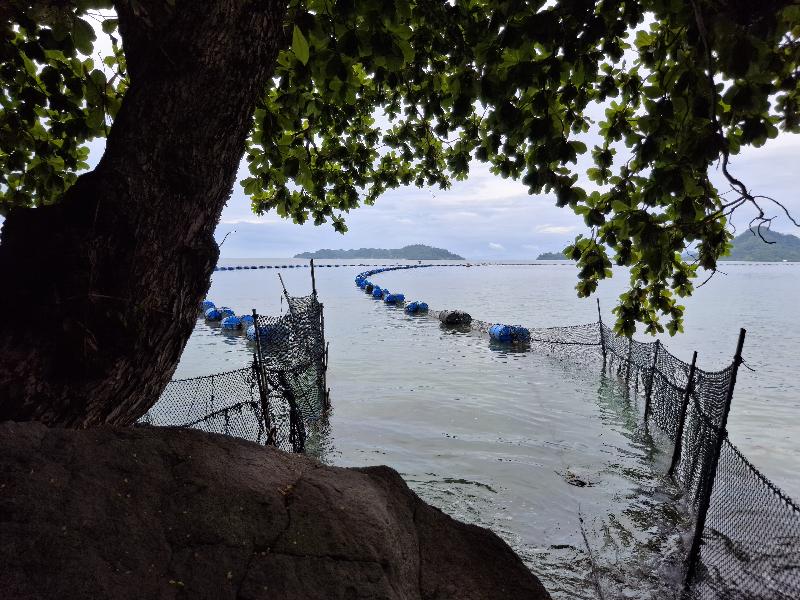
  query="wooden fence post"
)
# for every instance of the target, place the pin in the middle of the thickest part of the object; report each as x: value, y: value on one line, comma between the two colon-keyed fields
x: 261, y: 382
x: 709, y: 475
x: 602, y: 335
x: 676, y: 454
x: 649, y: 390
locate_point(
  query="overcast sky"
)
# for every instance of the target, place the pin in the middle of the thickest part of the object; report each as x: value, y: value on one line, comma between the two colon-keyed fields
x: 486, y: 217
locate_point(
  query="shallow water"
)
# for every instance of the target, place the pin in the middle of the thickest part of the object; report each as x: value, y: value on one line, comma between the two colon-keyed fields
x: 495, y: 437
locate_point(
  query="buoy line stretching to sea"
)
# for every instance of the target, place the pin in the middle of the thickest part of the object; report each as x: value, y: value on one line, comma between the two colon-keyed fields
x: 503, y: 333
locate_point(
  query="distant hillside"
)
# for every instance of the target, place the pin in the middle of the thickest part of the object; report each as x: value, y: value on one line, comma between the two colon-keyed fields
x: 750, y: 247
x: 552, y: 256
x: 413, y: 252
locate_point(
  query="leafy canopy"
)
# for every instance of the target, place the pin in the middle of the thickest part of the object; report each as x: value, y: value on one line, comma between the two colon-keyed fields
x: 373, y: 95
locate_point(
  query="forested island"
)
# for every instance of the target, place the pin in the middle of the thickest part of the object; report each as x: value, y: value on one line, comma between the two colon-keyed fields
x: 750, y: 247
x: 412, y: 252
x: 551, y: 256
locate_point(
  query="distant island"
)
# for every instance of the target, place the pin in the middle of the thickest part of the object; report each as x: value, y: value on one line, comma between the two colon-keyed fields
x: 750, y: 247
x: 551, y: 256
x: 413, y: 252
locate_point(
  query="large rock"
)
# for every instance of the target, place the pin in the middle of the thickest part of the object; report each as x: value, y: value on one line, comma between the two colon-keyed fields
x: 170, y: 513
x: 455, y: 317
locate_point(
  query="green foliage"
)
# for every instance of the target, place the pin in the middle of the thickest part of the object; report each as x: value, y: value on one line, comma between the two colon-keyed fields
x: 55, y: 97
x: 374, y: 95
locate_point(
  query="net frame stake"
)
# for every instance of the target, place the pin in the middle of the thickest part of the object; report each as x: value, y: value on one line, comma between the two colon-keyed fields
x: 628, y: 361
x: 313, y: 280
x: 676, y: 455
x: 263, y: 392
x: 648, y: 394
x: 710, y: 475
x: 602, y: 335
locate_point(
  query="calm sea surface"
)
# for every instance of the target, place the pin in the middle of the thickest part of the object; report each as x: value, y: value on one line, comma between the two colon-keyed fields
x: 497, y: 438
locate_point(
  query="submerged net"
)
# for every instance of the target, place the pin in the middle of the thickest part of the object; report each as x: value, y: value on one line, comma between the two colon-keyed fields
x: 271, y: 402
x: 747, y: 542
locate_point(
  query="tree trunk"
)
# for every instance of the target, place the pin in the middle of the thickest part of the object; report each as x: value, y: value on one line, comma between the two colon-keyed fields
x: 101, y: 291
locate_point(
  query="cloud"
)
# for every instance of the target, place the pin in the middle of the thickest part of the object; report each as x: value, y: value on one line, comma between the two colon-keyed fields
x: 496, y: 246
x: 561, y: 229
x: 253, y: 221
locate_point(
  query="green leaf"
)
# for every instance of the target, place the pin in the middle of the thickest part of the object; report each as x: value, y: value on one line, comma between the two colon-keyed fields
x: 82, y: 36
x: 110, y: 25
x: 299, y: 45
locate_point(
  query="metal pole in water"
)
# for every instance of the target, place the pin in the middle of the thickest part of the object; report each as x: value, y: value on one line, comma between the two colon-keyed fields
x: 261, y: 382
x: 628, y: 367
x: 602, y: 335
x: 313, y: 280
x: 676, y: 455
x: 649, y: 391
x: 710, y: 474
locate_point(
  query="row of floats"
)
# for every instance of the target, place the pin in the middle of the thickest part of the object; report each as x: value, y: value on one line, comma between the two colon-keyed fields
x: 504, y: 334
x: 379, y: 293
x: 229, y: 321
x: 246, y: 267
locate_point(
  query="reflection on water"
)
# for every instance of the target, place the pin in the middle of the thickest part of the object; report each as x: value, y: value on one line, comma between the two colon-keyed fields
x: 491, y: 434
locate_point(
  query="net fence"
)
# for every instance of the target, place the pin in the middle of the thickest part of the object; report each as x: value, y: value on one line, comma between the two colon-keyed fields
x: 273, y: 401
x: 746, y: 543
x: 751, y: 540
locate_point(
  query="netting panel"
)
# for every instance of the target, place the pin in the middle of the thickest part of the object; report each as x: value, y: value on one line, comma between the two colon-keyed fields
x: 751, y: 542
x: 226, y: 403
x: 270, y: 402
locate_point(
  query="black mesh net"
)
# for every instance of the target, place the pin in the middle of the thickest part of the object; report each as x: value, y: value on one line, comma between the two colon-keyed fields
x: 751, y: 542
x: 749, y: 546
x: 271, y: 402
x: 226, y: 403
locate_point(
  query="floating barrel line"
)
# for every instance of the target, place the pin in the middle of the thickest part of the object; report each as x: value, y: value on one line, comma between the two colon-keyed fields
x: 498, y: 332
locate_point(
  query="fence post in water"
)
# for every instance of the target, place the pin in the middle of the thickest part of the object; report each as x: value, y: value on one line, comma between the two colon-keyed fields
x: 261, y: 382
x: 326, y: 392
x: 313, y: 280
x: 628, y: 366
x: 602, y: 335
x: 676, y: 455
x: 710, y: 474
x: 648, y: 393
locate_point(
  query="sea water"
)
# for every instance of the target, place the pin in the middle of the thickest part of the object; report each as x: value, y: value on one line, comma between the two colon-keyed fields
x: 548, y: 453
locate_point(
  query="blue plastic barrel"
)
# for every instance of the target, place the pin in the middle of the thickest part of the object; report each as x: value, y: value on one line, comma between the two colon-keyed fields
x: 377, y: 292
x: 231, y: 323
x: 206, y: 304
x: 500, y: 333
x: 509, y: 334
x: 422, y: 307
x: 212, y: 314
x: 394, y: 298
x: 226, y: 311
x: 246, y: 320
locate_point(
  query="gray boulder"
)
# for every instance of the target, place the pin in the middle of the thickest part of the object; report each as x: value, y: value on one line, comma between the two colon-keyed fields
x: 132, y: 513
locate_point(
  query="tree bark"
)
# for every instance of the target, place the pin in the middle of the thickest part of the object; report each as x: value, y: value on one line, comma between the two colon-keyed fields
x: 101, y: 291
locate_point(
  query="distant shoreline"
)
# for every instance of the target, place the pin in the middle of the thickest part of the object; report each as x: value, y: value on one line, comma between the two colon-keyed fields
x: 412, y: 252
